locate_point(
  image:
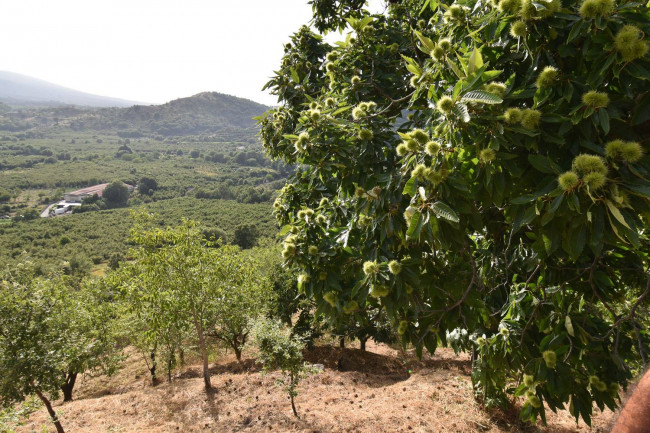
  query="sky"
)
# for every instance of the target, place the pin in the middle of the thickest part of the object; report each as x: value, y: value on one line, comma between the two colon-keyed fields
x: 151, y: 51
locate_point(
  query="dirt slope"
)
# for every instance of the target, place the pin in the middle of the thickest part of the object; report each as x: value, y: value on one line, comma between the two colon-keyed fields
x: 381, y: 390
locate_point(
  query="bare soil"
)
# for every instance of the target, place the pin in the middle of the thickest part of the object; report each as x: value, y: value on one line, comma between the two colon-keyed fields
x: 381, y: 390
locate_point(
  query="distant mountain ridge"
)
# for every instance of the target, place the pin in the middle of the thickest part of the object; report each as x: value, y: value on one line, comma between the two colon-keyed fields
x: 18, y: 89
x: 204, y: 113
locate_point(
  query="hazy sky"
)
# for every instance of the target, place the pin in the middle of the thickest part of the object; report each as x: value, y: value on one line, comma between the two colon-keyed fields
x: 150, y: 50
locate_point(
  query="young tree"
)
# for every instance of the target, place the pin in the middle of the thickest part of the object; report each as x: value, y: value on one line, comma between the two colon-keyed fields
x: 478, y: 167
x: 279, y: 348
x: 47, y: 337
x: 177, y: 280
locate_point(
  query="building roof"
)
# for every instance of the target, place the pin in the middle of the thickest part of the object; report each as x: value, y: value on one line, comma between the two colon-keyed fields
x: 91, y: 190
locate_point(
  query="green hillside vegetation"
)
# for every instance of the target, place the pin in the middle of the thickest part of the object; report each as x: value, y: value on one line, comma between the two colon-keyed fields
x: 205, y: 113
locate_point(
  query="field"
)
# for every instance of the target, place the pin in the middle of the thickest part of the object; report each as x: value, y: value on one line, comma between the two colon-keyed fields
x: 381, y: 390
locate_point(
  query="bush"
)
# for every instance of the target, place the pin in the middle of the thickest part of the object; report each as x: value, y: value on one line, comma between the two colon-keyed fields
x: 279, y: 348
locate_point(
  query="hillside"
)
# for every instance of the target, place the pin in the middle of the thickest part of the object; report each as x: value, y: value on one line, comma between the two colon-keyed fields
x: 381, y: 390
x: 17, y: 89
x: 204, y: 113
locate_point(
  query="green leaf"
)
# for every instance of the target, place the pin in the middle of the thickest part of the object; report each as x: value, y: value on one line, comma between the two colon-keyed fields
x: 411, y: 187
x: 428, y: 43
x: 442, y: 210
x: 569, y: 326
x: 616, y: 213
x: 543, y: 164
x: 475, y: 61
x: 415, y: 226
x: 461, y: 111
x: 482, y: 97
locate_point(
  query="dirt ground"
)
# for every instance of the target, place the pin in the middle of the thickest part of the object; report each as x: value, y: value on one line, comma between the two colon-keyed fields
x: 381, y: 390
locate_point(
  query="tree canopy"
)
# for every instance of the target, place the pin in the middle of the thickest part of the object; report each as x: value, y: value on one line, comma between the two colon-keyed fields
x: 478, y: 171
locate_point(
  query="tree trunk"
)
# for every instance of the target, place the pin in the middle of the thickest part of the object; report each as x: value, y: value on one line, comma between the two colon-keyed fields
x: 152, y: 369
x: 170, y: 364
x: 342, y: 342
x: 67, y: 388
x: 181, y: 355
x: 293, y: 407
x: 204, y: 355
x: 363, y: 343
x: 50, y: 410
x: 237, y: 352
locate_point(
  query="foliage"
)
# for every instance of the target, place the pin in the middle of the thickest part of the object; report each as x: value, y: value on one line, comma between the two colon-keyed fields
x: 116, y: 194
x: 177, y: 283
x: 460, y: 216
x: 279, y: 348
x: 245, y: 236
x: 62, y: 331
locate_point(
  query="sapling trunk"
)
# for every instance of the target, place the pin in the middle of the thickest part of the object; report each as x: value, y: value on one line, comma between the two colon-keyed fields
x: 50, y: 410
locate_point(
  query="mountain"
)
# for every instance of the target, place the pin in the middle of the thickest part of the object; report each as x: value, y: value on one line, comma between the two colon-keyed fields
x: 201, y: 114
x: 17, y: 89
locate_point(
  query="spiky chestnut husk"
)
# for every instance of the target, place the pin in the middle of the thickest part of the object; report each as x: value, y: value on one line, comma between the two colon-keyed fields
x: 394, y: 267
x: 504, y: 332
x: 487, y: 155
x: 364, y: 220
x: 597, y: 384
x: 419, y: 135
x: 436, y: 176
x: 551, y: 7
x: 454, y: 13
x: 529, y: 380
x: 379, y: 291
x: 613, y: 389
x: 401, y: 149
x: 568, y: 181
x: 355, y: 80
x: 412, y: 145
x: 628, y: 42
x: 496, y: 88
x: 408, y: 214
x: 370, y: 268
x: 547, y: 77
x: 359, y: 192
x: 322, y: 276
x: 595, y: 180
x: 314, y: 105
x: 331, y: 298
x: 394, y: 48
x: 321, y: 219
x: 432, y: 148
x: 550, y: 358
x: 480, y: 341
x: 628, y: 151
x: 509, y: 5
x: 331, y: 56
x: 330, y: 67
x: 585, y: 163
x: 303, y: 279
x: 324, y: 202
x: 403, y: 327
x: 312, y: 250
x: 419, y: 171
x: 445, y: 104
x: 530, y: 118
x: 350, y: 307
x: 358, y: 113
x: 597, y: 8
x: 513, y: 115
x: 518, y: 29
x: 314, y: 115
x: 595, y: 99
x: 414, y: 81
x: 437, y: 53
x: 445, y: 44
x: 365, y: 134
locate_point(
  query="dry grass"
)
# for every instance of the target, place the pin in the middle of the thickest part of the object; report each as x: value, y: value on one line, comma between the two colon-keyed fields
x: 373, y: 392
